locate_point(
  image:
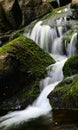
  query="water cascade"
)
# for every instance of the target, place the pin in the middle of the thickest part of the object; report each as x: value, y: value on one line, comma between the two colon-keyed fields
x: 72, y: 45
x: 43, y: 35
x: 49, y: 40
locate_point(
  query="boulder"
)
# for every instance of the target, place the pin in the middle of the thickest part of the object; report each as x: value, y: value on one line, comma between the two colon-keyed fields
x: 22, y: 65
x: 71, y: 66
x: 65, y: 94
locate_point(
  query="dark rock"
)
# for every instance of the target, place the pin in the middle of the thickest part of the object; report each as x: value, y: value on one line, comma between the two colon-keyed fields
x: 4, y: 23
x: 17, y: 13
x: 54, y: 3
x: 64, y: 2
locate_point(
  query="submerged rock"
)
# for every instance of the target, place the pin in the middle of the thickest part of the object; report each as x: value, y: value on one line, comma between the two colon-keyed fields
x: 22, y: 65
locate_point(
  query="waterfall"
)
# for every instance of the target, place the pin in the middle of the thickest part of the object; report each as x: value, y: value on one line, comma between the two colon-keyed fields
x: 43, y: 35
x: 48, y: 36
x: 48, y: 39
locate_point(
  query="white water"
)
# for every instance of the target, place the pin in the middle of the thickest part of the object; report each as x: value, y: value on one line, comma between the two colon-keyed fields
x: 57, y: 49
x: 58, y: 1
x: 43, y: 35
x: 47, y: 38
x: 72, y: 45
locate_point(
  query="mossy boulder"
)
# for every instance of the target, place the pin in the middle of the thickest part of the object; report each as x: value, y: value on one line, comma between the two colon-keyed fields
x: 22, y: 65
x: 65, y: 94
x: 71, y: 66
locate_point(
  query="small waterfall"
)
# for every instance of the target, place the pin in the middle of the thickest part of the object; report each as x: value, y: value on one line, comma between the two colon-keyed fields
x: 35, y: 34
x: 72, y: 45
x: 43, y: 35
x: 47, y: 37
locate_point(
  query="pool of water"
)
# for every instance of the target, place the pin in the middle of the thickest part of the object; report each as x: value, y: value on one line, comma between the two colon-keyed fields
x: 56, y: 120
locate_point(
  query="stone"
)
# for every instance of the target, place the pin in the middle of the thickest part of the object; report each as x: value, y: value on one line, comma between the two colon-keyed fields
x: 22, y: 65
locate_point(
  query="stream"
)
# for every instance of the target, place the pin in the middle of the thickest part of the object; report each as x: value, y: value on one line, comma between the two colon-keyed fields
x: 39, y: 115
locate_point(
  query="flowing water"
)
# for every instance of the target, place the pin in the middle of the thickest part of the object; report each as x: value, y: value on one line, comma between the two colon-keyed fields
x: 38, y: 115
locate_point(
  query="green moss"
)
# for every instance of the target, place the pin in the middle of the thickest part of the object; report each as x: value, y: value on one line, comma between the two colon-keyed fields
x: 6, y: 47
x: 71, y: 66
x: 65, y: 95
x: 70, y: 93
x: 68, y: 36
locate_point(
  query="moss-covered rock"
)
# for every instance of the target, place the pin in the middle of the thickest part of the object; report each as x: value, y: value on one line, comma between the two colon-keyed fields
x: 65, y: 95
x: 22, y: 65
x: 71, y: 66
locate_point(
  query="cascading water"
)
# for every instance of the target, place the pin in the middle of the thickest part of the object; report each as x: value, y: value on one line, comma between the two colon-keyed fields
x: 41, y: 106
x: 49, y: 40
x: 43, y: 35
